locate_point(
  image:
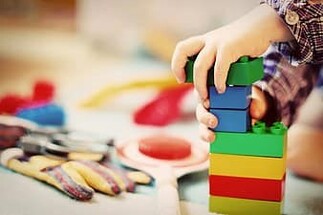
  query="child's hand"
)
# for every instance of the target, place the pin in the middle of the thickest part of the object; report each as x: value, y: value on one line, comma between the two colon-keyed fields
x: 251, y: 35
x: 258, y: 109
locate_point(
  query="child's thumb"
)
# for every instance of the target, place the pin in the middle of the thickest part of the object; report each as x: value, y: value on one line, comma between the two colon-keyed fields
x: 257, y: 109
x: 258, y: 106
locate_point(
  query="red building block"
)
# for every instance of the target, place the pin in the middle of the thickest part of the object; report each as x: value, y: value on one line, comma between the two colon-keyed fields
x: 11, y: 103
x: 247, y: 188
x: 43, y: 91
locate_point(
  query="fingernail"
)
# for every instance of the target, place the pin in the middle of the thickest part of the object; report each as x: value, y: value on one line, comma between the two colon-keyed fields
x: 211, y: 123
x: 221, y: 89
x: 206, y: 103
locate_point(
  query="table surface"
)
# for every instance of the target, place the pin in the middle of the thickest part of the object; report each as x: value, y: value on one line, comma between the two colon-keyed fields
x: 21, y: 195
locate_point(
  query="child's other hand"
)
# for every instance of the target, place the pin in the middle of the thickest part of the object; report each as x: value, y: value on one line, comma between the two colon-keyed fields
x: 258, y: 109
x: 250, y: 35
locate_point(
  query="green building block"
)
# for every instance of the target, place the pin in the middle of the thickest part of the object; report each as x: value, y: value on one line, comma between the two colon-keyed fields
x: 236, y: 206
x: 244, y: 72
x: 260, y: 141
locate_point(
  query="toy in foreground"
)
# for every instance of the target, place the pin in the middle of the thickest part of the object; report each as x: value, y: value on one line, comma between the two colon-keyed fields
x: 76, y: 178
x: 76, y: 166
x: 164, y: 164
x: 247, y: 164
x: 241, y: 73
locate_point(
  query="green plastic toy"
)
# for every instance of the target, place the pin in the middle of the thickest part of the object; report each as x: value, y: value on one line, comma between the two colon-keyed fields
x: 260, y: 141
x: 244, y: 72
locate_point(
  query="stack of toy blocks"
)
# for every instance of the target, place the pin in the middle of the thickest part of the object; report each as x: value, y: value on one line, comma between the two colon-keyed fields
x: 247, y: 163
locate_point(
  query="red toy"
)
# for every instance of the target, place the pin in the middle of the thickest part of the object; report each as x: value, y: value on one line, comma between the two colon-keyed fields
x: 10, y: 104
x: 163, y: 146
x: 164, y: 108
x: 43, y: 93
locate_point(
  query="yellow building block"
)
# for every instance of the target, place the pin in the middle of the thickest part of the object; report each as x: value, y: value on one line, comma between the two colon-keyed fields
x: 247, y: 166
x: 235, y: 206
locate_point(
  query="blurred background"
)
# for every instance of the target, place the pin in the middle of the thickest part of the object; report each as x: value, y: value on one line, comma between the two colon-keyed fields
x: 82, y: 46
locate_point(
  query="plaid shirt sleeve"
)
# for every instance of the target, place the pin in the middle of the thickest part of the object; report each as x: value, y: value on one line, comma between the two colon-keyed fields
x: 305, y: 21
x: 286, y: 86
x: 292, y: 69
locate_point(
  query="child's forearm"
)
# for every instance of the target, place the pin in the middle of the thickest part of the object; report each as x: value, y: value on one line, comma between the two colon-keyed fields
x: 264, y: 20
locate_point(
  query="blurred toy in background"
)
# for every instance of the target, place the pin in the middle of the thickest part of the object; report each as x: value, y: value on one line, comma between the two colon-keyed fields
x: 38, y: 107
x: 44, y: 91
x: 37, y: 139
x: 44, y: 114
x: 9, y: 135
x: 10, y: 103
x: 163, y: 109
x: 103, y: 95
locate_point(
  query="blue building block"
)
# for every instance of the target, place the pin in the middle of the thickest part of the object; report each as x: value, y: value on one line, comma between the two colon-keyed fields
x: 234, y: 97
x: 232, y: 120
x: 47, y: 114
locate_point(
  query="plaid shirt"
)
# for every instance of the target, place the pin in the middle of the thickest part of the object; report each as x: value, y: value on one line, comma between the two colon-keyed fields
x: 292, y: 69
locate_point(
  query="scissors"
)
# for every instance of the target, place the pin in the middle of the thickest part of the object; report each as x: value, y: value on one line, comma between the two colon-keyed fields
x: 55, y: 141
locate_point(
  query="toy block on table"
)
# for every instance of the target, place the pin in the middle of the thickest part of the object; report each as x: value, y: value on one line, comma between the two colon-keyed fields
x: 234, y: 97
x: 247, y: 188
x: 244, y: 72
x: 260, y: 141
x: 239, y: 206
x: 247, y: 170
x: 247, y: 166
x: 231, y: 120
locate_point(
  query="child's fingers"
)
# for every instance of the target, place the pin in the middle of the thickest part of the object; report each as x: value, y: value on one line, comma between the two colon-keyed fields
x: 256, y: 110
x: 221, y: 68
x: 258, y: 105
x: 205, y: 117
x: 206, y: 134
x: 203, y: 63
x: 204, y: 102
x: 184, y: 49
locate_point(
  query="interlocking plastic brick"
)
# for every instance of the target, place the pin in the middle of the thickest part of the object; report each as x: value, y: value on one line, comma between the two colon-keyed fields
x: 11, y: 103
x: 237, y: 206
x: 232, y: 120
x: 247, y: 166
x: 244, y: 72
x: 43, y: 91
x: 47, y: 114
x: 235, y: 97
x: 247, y: 188
x: 260, y: 141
